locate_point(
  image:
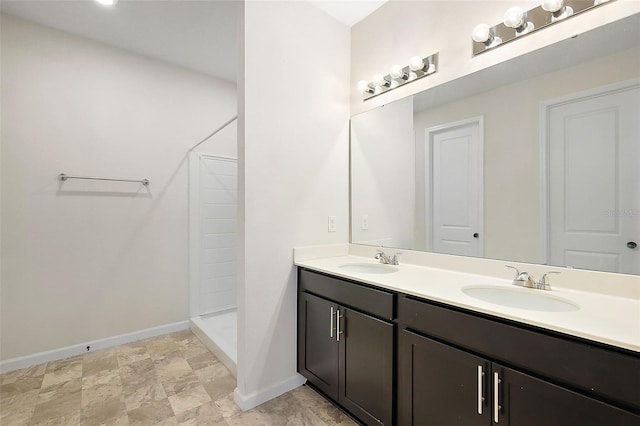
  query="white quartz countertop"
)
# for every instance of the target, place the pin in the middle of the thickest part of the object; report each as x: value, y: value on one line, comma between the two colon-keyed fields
x: 602, y: 318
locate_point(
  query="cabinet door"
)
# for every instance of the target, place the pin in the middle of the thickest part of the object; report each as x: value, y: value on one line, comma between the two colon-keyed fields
x: 526, y: 401
x: 366, y: 367
x: 318, y: 348
x: 440, y: 385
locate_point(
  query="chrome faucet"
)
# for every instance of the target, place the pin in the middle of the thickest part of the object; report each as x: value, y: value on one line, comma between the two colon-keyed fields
x: 525, y: 279
x: 383, y: 258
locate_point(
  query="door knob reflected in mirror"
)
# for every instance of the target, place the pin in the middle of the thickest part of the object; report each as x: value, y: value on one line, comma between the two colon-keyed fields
x: 476, y: 235
x: 632, y: 244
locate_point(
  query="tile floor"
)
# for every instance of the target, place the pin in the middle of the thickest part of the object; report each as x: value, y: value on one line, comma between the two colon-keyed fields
x: 167, y: 380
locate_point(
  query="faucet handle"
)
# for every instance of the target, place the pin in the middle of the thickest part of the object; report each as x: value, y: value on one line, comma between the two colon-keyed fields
x: 544, y: 281
x: 513, y: 267
x: 383, y: 258
x: 395, y: 260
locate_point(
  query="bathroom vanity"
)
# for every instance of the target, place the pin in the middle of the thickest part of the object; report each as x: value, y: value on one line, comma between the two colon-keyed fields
x: 391, y: 346
x: 445, y: 338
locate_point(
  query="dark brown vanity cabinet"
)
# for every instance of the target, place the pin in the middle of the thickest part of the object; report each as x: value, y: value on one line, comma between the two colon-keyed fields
x: 449, y: 373
x: 345, y: 344
x: 395, y: 359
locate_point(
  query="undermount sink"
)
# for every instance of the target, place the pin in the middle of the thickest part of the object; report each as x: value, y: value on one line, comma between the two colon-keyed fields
x: 368, y: 268
x: 533, y: 300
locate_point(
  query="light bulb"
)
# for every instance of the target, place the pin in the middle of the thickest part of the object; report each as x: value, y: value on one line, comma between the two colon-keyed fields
x: 552, y: 5
x: 430, y: 69
x: 378, y: 80
x: 415, y: 63
x: 107, y: 2
x: 363, y: 86
x: 481, y: 33
x: 514, y: 17
x: 396, y: 71
x: 557, y: 9
x: 394, y: 84
x: 597, y: 2
x: 412, y: 76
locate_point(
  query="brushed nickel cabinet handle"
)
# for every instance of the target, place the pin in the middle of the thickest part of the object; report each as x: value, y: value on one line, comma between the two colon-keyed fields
x: 331, y: 321
x: 480, y: 396
x: 496, y: 394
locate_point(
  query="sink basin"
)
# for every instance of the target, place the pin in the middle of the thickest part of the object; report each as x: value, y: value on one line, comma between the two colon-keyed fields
x: 533, y: 300
x: 368, y: 268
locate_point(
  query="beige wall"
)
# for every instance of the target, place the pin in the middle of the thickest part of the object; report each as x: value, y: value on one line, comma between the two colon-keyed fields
x: 83, y: 261
x: 401, y: 29
x: 293, y: 163
x: 511, y: 147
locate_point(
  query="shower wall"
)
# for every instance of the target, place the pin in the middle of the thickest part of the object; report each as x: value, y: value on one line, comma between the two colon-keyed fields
x: 215, y: 287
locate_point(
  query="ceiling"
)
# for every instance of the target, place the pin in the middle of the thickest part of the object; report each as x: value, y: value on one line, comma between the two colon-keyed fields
x: 348, y: 12
x: 199, y: 35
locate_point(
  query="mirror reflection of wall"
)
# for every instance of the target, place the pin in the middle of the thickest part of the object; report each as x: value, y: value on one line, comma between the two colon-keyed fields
x: 515, y: 197
x: 382, y: 179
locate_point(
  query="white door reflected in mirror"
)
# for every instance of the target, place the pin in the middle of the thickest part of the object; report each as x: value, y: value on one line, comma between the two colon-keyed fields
x: 594, y: 199
x: 454, y: 159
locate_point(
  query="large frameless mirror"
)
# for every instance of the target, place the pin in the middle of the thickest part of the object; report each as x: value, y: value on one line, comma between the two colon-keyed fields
x: 533, y: 160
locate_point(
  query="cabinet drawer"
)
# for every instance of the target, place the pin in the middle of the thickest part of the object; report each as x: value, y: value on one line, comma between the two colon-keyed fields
x: 609, y: 374
x: 347, y: 293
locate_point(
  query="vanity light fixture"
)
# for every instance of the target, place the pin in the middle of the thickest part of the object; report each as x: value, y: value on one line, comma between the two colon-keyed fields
x: 518, y: 22
x: 418, y: 67
x: 107, y: 2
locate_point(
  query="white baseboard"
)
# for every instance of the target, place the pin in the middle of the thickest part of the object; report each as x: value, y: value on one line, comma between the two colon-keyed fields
x: 247, y: 402
x: 81, y: 348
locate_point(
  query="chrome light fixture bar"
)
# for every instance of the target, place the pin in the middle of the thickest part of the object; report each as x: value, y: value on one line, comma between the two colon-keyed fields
x: 518, y: 22
x: 399, y: 76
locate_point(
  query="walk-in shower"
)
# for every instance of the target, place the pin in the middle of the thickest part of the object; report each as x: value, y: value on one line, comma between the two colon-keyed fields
x: 213, y: 236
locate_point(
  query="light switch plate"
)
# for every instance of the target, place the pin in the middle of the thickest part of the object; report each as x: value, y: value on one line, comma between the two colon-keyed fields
x: 331, y: 224
x: 365, y: 222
